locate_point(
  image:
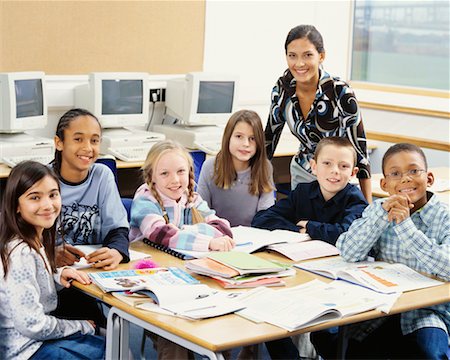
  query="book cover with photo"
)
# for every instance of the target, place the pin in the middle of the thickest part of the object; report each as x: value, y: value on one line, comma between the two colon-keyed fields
x: 122, y: 280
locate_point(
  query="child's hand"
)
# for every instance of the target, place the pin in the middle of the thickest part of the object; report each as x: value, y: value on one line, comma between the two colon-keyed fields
x: 302, y: 224
x: 223, y: 243
x: 68, y: 274
x: 398, y: 208
x: 67, y: 255
x: 105, y: 258
x: 92, y: 323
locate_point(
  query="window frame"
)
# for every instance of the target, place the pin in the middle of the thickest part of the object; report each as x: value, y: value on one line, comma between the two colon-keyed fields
x: 412, y: 100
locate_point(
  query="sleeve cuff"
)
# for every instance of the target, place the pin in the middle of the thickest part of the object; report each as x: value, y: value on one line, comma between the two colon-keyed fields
x: 57, y: 275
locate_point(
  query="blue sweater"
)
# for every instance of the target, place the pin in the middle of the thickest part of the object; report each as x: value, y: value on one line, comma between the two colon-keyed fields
x: 326, y: 219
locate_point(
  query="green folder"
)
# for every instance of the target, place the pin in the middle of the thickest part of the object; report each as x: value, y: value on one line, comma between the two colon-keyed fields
x: 245, y: 263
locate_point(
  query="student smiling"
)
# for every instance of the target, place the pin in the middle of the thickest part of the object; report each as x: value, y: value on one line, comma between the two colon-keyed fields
x: 410, y: 227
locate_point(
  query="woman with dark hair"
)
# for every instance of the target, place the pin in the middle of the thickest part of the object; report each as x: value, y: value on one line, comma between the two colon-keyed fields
x: 315, y: 105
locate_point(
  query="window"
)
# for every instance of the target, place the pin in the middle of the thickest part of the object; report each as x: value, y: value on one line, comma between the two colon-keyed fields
x: 402, y: 43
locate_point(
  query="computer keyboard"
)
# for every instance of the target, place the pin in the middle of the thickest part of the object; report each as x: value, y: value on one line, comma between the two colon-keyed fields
x: 209, y: 147
x: 12, y: 161
x: 130, y: 153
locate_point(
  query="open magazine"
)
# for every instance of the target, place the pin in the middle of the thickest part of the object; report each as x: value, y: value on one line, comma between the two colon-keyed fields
x: 122, y: 280
x: 379, y: 276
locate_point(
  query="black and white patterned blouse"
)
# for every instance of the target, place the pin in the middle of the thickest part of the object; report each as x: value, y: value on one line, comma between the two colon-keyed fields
x: 334, y: 112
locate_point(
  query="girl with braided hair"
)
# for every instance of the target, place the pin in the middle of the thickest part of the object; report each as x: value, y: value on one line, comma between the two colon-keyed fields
x: 167, y: 210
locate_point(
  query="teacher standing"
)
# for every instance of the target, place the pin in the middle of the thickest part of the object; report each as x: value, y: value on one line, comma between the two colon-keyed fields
x: 315, y: 105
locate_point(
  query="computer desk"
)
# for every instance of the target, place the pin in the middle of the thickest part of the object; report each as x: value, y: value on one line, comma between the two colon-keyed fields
x: 130, y: 178
x: 210, y: 337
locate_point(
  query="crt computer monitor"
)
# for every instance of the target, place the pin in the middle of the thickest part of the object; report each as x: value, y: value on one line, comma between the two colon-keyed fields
x: 23, y: 103
x: 202, y: 98
x: 116, y: 99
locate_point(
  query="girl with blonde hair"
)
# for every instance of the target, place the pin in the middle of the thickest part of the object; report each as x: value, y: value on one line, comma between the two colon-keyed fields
x: 167, y: 210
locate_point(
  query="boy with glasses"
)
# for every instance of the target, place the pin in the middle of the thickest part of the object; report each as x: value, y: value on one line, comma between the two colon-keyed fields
x: 411, y: 227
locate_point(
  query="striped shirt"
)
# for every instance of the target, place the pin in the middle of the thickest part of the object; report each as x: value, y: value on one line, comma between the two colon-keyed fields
x: 148, y: 221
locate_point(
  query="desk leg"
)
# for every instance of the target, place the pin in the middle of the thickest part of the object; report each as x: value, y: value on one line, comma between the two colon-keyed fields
x: 342, y: 342
x: 124, y: 339
x: 112, y: 336
x: 117, y: 336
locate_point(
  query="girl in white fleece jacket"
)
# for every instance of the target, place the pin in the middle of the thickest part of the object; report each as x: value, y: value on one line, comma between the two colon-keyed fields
x: 31, y: 204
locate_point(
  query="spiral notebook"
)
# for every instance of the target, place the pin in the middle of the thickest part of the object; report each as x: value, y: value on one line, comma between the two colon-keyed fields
x: 174, y: 252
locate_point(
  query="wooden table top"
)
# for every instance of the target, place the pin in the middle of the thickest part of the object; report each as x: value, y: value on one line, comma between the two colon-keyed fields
x: 229, y: 331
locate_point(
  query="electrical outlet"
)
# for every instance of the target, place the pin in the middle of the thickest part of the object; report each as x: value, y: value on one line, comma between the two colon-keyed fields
x: 157, y: 95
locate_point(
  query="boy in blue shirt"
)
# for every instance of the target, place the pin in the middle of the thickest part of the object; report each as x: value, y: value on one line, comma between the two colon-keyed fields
x: 326, y: 207
x: 411, y: 227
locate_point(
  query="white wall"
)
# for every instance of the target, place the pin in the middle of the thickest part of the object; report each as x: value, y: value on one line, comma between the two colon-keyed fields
x: 247, y: 38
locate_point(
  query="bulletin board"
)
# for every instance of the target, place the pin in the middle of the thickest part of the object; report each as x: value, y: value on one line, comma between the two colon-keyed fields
x: 78, y: 37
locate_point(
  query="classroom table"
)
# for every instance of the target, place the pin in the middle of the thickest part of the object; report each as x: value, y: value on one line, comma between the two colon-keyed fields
x: 210, y: 337
x: 441, y: 174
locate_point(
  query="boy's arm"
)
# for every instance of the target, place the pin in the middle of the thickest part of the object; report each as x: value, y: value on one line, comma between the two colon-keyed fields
x: 330, y: 232
x: 356, y: 243
x: 433, y: 253
x: 279, y: 216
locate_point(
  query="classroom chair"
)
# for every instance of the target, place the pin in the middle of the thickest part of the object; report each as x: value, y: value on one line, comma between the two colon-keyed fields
x: 199, y: 158
x: 111, y: 163
x: 127, y: 204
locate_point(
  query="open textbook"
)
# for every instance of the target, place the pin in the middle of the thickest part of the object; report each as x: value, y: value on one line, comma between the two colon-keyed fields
x: 311, y: 303
x: 305, y: 250
x: 193, y: 301
x: 379, y: 276
x: 248, y: 240
x: 196, y: 301
x: 88, y: 249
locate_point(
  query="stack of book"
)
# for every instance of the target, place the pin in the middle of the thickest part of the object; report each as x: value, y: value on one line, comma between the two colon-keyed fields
x: 235, y: 269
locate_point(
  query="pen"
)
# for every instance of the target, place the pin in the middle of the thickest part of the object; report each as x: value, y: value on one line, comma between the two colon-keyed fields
x: 201, y: 308
x: 246, y: 243
x: 67, y: 243
x: 202, y: 296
